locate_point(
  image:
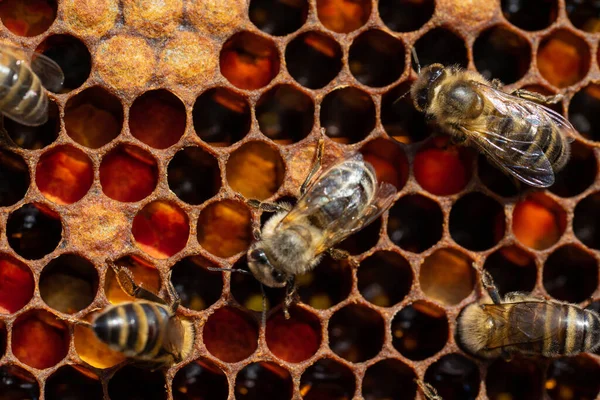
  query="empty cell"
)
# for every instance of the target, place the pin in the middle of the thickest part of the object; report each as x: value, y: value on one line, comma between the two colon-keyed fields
x: 280, y: 17
x: 263, y: 380
x: 311, y: 49
x: 33, y: 231
x: 502, y: 54
x: 14, y: 178
x: 327, y: 379
x: 16, y: 285
x: 420, y: 330
x: 389, y: 379
x: 573, y: 378
x: 35, y: 137
x: 415, y: 223
x: 18, y: 384
x: 454, y: 377
x: 64, y: 174
x: 399, y: 117
x: 348, y: 115
x: 144, y: 274
x: 586, y: 221
x: 194, y: 175
x: 513, y: 269
x: 584, y: 15
x: 93, y: 117
x: 389, y: 161
x: 570, y: 274
x: 224, y: 228
x: 494, y: 179
x: 518, y: 379
x: 71, y: 383
x: 128, y: 174
x: 326, y: 285
x: 356, y: 333
x: 71, y: 55
x: 579, y: 173
x: 198, y: 288
x: 447, y: 276
x: 363, y: 240
x: 132, y: 383
x: 538, y: 221
x: 161, y: 229
x: 343, y: 16
x: 563, y: 58
x: 384, y: 278
x: 406, y: 15
x: 230, y: 334
x: 295, y: 339
x: 443, y: 46
x: 531, y: 15
x: 200, y: 379
x: 28, y: 18
x: 376, y: 59
x: 157, y: 118
x: 285, y: 114
x: 584, y: 111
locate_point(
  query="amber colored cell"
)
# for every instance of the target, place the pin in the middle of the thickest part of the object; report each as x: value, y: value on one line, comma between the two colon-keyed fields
x: 70, y: 383
x: 161, y: 229
x: 584, y: 111
x: 39, y: 339
x: 193, y: 175
x: 131, y: 382
x: 35, y: 137
x: 502, y: 54
x: 579, y: 173
x: 326, y: 285
x: 198, y: 287
x: 447, y: 276
x: 347, y: 114
x: 255, y: 170
x: 29, y: 17
x: 563, y: 58
x: 224, y: 228
x: 531, y: 15
x: 128, y: 174
x: 399, y: 117
x: 72, y: 56
x: 573, y: 378
x: 389, y: 379
x: 538, y: 221
x: 151, y: 18
x: 92, y: 350
x: 420, y: 330
x: 296, y: 339
x: 405, y: 15
x: 356, y: 333
x: 279, y: 17
x: 586, y: 222
x: 376, y: 59
x: 144, y: 274
x: 518, y: 379
x: 64, y: 174
x: 384, y: 278
x: 327, y: 379
x: 33, y: 231
x: 570, y: 274
x: 389, y: 161
x: 16, y: 285
x: 415, y: 223
x: 230, y: 335
x: 513, y: 269
x: 219, y: 17
x: 441, y: 45
x: 454, y: 377
x: 17, y: 384
x: 92, y: 17
x: 264, y: 380
x: 14, y: 178
x: 157, y: 118
x: 200, y: 379
x: 343, y: 16
x: 188, y: 59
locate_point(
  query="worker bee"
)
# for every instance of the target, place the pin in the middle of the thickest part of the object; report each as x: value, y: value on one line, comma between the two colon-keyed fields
x: 523, y: 324
x: 23, y: 95
x: 523, y: 138
x: 428, y: 390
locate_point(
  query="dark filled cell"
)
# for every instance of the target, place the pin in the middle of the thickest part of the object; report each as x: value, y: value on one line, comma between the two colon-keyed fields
x: 376, y: 59
x: 389, y: 379
x: 494, y: 179
x: 348, y: 114
x: 574, y: 378
x: 399, y: 117
x: 263, y: 380
x: 33, y: 233
x: 513, y: 269
x: 279, y: 17
x: 441, y: 46
x: 584, y: 14
x: 477, y: 222
x: 570, y: 274
x: 326, y: 285
x: 194, y: 175
x: 71, y: 55
x: 415, y: 223
x: 14, y: 178
x: 200, y: 380
x: 247, y: 291
x: 586, y: 223
x: 132, y: 383
x: 327, y: 380
x: 70, y: 384
x: 531, y: 15
x: 406, y: 15
x: 198, y: 288
x: 356, y: 333
x: 362, y: 240
x: 384, y: 278
x: 584, y: 112
x: 579, y: 173
x: 419, y: 331
x: 518, y: 379
x: 35, y: 137
x: 17, y: 384
x: 455, y: 377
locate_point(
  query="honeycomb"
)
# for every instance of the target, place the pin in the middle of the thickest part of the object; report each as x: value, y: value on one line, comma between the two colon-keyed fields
x: 172, y: 107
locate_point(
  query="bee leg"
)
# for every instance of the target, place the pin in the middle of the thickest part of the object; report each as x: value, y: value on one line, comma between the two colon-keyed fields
x: 497, y: 83
x: 268, y: 207
x: 536, y: 97
x: 488, y: 284
x: 290, y: 290
x: 75, y: 321
x: 126, y: 282
x: 173, y: 295
x: 339, y: 255
x: 428, y: 390
x: 316, y: 163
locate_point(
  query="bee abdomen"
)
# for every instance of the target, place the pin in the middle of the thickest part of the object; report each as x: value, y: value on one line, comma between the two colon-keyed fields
x: 570, y: 330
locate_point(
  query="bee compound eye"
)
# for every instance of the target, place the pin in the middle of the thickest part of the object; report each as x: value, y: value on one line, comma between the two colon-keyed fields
x: 258, y: 256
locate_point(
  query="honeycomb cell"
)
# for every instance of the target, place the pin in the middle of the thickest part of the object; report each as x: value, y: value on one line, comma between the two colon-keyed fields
x: 33, y: 231
x: 14, y: 178
x: 224, y: 228
x: 389, y: 161
x: 443, y: 46
x: 309, y: 49
x: 405, y: 15
x: 389, y: 379
x: 188, y: 59
x: 584, y: 111
x: 326, y: 285
x: 200, y: 379
x: 64, y: 174
x: 94, y: 17
x: 399, y: 117
x: 70, y: 383
x: 16, y: 285
x: 363, y: 240
x: 356, y: 333
x: 454, y: 377
x: 570, y: 274
x: 376, y: 59
x: 230, y: 335
x: 18, y: 384
x: 198, y: 288
x: 384, y: 278
x: 563, y: 58
x: 249, y: 61
x: 39, y: 339
x: 193, y: 175
x: 161, y: 229
x: 93, y: 351
x: 157, y: 118
x: 144, y: 274
x: 538, y: 221
x: 327, y: 379
x: 28, y: 18
x: 573, y: 378
x: 35, y: 137
x: 263, y: 380
x: 153, y: 19
x: 296, y: 339
x: 93, y: 117
x: 579, y: 173
x: 218, y: 17
x: 513, y: 269
x: 530, y: 15
x: 585, y: 221
x: 285, y: 114
x: 584, y: 15
x: 518, y: 379
x: 128, y: 174
x: 447, y: 276
x: 494, y: 179
x: 280, y: 17
x: 131, y: 383
x: 255, y: 170
x: 247, y: 291
x: 415, y: 223
x: 348, y: 115
x: 420, y: 330
x: 343, y: 16
x: 477, y: 222
x: 71, y: 55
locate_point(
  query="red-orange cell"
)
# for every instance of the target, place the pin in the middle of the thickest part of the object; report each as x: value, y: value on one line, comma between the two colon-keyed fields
x: 128, y: 174
x: 295, y: 339
x: 224, y: 228
x: 563, y: 58
x: 27, y: 17
x: 538, y: 222
x: 343, y: 16
x: 64, y: 174
x: 230, y: 335
x: 16, y: 285
x: 161, y: 229
x: 39, y: 339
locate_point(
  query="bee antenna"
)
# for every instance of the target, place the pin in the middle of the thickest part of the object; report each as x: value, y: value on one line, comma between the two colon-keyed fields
x: 416, y: 59
x: 217, y: 269
x: 401, y: 97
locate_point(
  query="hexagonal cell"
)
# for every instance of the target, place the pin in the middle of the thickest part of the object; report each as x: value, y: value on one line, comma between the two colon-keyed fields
x: 144, y: 274
x: 194, y: 175
x: 263, y: 380
x: 477, y: 222
x: 17, y: 384
x: 347, y: 114
x: 16, y: 285
x: 454, y: 377
x: 249, y: 61
x: 530, y: 15
x: 39, y: 339
x: 512, y: 268
x: 230, y: 334
x: 563, y: 58
x: 93, y: 117
x: 71, y: 55
x: 280, y: 17
x: 296, y: 339
x: 69, y: 382
x: 309, y: 49
x: 363, y: 240
x: 405, y: 15
x: 327, y: 379
x: 356, y: 333
x: 221, y: 116
x: 399, y: 117
x: 161, y: 229
x: 415, y: 223
x: 584, y: 111
x: 579, y: 173
x: 420, y: 330
x: 538, y: 221
x: 35, y: 137
x: 224, y: 228
x: 343, y: 16
x: 584, y: 15
x: 389, y: 161
x: 199, y: 380
x: 389, y: 379
x: 585, y: 221
x: 247, y: 291
x: 570, y: 274
x: 135, y: 383
x: 518, y: 379
x: 33, y: 231
x: 198, y: 288
x: 573, y: 378
x: 443, y: 46
x: 376, y: 59
x: 494, y: 179
x: 384, y: 278
x: 64, y: 174
x: 447, y: 276
x: 326, y: 285
x: 14, y: 178
x: 157, y: 118
x: 29, y: 18
x: 285, y: 114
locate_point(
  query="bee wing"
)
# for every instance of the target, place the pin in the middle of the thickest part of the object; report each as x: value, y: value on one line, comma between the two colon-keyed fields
x: 46, y: 69
x: 523, y: 319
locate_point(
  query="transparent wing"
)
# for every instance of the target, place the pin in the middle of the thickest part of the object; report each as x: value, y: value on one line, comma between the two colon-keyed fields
x: 47, y: 70
x: 523, y: 321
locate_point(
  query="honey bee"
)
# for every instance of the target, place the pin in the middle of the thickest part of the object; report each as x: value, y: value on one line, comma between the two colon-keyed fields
x: 519, y: 135
x: 523, y: 324
x: 428, y: 390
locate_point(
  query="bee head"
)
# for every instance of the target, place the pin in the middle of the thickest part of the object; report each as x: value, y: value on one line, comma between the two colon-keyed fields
x: 428, y: 79
x: 261, y: 268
